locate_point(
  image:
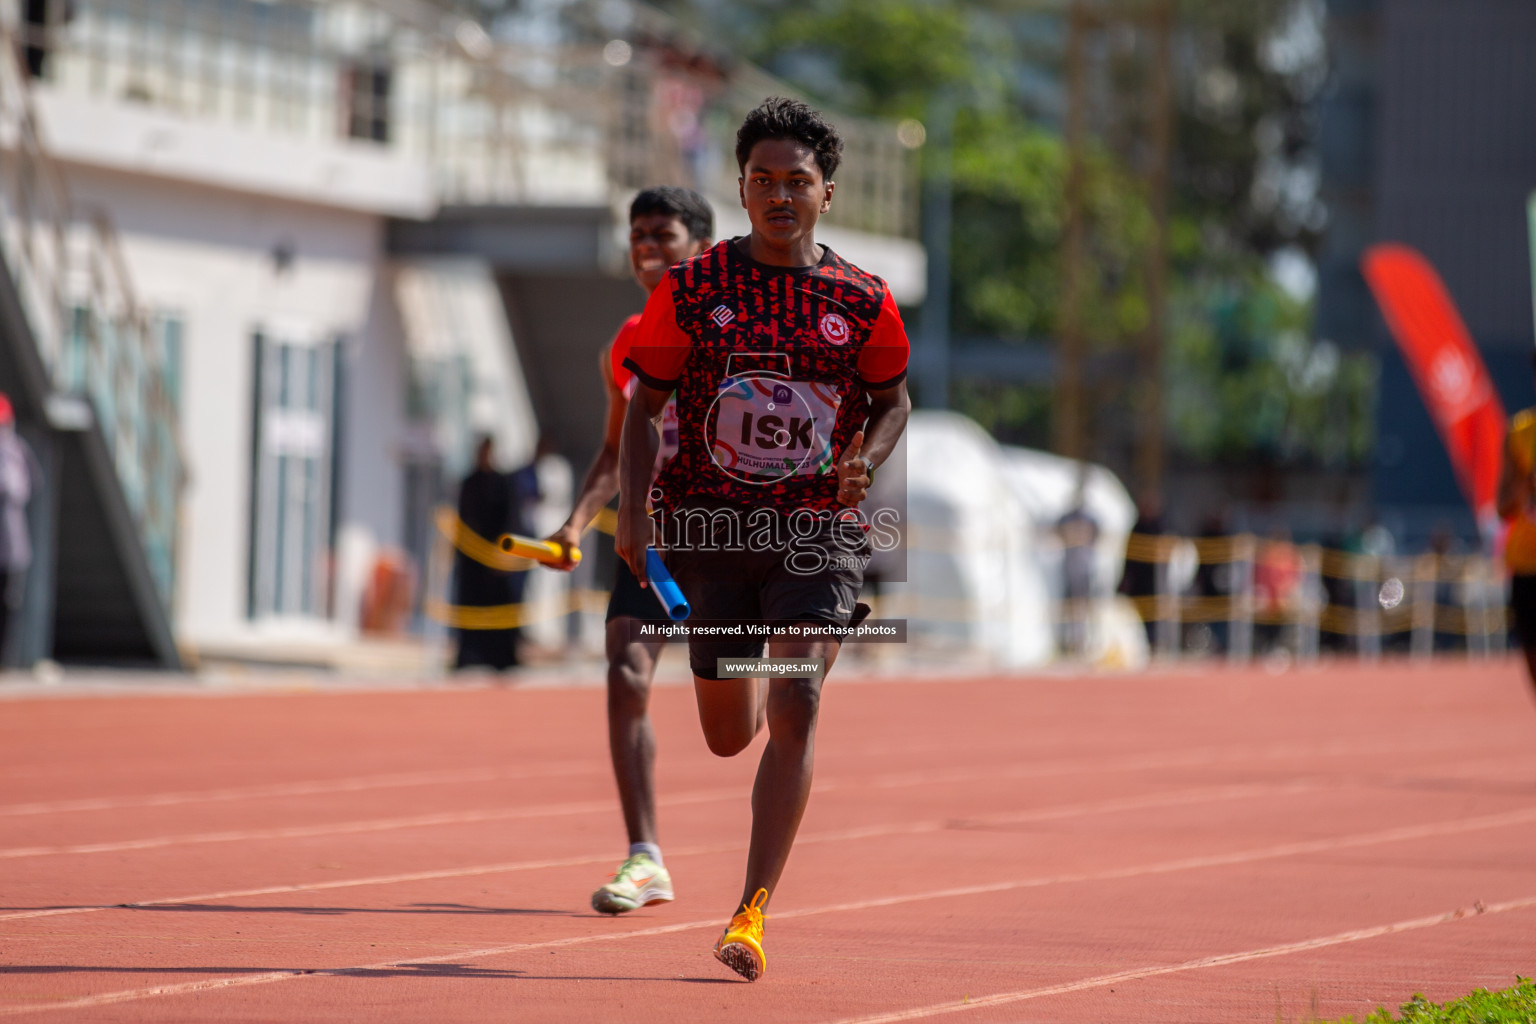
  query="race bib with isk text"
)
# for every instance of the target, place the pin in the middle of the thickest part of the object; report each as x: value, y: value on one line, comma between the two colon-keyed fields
x: 768, y: 428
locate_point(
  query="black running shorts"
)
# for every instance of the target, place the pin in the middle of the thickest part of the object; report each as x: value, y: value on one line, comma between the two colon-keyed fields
x: 632, y: 600
x: 775, y: 587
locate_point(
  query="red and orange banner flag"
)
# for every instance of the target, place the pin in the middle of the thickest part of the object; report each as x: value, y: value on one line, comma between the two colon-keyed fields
x: 1446, y: 366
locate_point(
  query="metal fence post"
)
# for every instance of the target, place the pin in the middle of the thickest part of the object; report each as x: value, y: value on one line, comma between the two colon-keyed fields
x: 1499, y: 596
x: 1309, y: 603
x: 1488, y: 578
x: 1240, y: 609
x: 1426, y: 577
x: 1168, y: 624
x: 1471, y: 608
x: 1366, y: 570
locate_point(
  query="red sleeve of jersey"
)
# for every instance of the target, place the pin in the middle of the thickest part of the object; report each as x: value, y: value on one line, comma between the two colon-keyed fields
x: 658, y: 348
x: 883, y: 361
x: 619, y: 351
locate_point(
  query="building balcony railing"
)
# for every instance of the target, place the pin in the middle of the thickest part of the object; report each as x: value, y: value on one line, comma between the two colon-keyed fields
x: 498, y: 122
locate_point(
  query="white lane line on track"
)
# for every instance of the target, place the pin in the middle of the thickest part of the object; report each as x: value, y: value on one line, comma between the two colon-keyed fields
x: 1062, y: 811
x: 1222, y: 960
x: 1040, y: 769
x: 354, y: 827
x: 1410, y: 832
x: 893, y: 781
x: 1196, y: 758
x: 313, y: 787
x: 1008, y: 817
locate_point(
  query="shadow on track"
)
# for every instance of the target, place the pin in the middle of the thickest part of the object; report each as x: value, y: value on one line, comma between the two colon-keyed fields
x: 396, y: 971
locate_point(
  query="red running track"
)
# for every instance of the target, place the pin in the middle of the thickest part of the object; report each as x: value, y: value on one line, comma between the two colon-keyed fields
x: 1194, y: 846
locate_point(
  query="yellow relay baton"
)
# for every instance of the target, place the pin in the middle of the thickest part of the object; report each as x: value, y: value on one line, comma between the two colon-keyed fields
x: 544, y: 551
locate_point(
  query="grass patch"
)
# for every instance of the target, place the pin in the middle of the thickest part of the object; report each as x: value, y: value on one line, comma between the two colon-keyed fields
x: 1515, y: 1005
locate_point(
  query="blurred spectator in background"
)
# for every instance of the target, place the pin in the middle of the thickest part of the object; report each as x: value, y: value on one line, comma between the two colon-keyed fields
x: 526, y: 492
x: 1354, y: 584
x: 1276, y: 586
x: 1138, y: 580
x: 1377, y: 541
x: 1448, y: 565
x: 1213, y: 585
x: 1078, y: 532
x: 17, y: 465
x: 489, y: 505
x: 526, y: 495
x: 1517, y: 507
x: 1338, y: 588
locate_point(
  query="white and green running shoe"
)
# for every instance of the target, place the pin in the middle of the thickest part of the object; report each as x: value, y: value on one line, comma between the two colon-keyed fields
x: 639, y: 882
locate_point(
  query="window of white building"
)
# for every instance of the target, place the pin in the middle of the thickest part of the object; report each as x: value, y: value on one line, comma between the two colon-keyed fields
x: 292, y: 474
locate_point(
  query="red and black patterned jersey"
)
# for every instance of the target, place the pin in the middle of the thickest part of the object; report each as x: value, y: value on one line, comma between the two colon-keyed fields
x: 624, y: 380
x: 772, y: 366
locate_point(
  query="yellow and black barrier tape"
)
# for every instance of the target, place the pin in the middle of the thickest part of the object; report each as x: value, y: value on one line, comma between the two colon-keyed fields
x: 489, y: 554
x: 1339, y: 619
x: 475, y: 547
x: 1346, y: 565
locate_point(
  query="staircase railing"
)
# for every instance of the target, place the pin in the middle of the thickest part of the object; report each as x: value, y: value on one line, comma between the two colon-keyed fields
x: 92, y: 336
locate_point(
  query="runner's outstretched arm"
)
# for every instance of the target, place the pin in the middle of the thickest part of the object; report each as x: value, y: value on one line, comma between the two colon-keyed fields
x: 602, y: 480
x: 638, y: 444
x: 888, y: 412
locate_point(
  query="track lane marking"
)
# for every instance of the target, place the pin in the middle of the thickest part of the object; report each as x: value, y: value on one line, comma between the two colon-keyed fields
x: 1142, y: 762
x: 889, y: 781
x: 308, y: 787
x: 1043, y: 769
x: 355, y: 827
x: 1221, y: 960
x: 1113, y: 805
x: 1428, y: 830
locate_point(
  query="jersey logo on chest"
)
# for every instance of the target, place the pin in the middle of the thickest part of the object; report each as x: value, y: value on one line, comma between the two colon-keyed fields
x: 834, y: 328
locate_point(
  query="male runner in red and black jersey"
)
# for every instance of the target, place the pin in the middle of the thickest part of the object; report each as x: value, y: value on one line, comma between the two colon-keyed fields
x: 666, y: 225
x: 789, y: 366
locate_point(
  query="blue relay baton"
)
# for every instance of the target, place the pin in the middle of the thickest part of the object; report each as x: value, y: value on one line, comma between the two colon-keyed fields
x: 667, y: 591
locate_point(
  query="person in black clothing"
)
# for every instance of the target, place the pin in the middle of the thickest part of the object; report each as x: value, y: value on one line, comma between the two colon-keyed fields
x: 1139, y: 578
x: 18, y: 471
x: 1213, y: 581
x: 490, y: 504
x: 1079, y: 532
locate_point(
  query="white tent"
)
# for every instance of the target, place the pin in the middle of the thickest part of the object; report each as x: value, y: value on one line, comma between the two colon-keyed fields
x: 982, y: 561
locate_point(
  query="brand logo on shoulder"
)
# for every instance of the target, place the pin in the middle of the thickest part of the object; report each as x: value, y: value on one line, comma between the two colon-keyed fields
x: 834, y: 328
x: 722, y: 314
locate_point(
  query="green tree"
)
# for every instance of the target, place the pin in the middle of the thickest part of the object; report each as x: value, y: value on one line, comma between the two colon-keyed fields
x: 1243, y: 381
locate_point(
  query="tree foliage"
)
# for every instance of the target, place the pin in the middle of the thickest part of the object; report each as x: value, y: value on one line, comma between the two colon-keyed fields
x: 1243, y: 381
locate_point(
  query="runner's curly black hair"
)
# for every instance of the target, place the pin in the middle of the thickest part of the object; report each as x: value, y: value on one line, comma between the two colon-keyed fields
x: 781, y: 118
x: 683, y: 203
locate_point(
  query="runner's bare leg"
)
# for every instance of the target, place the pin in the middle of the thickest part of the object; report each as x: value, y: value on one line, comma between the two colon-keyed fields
x: 731, y: 712
x: 783, y: 784
x: 631, y: 740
